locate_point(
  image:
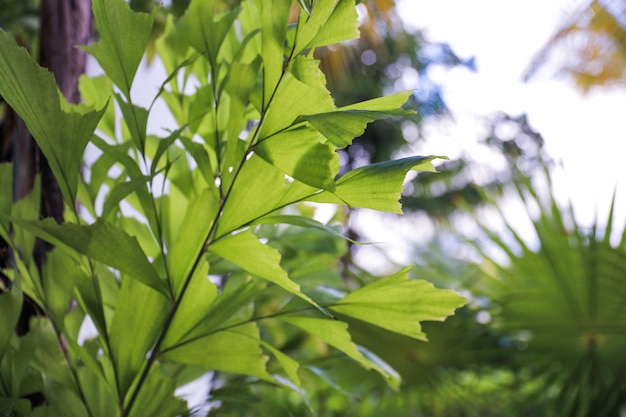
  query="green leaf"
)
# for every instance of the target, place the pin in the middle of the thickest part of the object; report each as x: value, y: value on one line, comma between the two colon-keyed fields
x: 10, y: 308
x: 193, y: 306
x: 61, y: 130
x: 301, y: 221
x: 139, y: 317
x: 300, y: 154
x: 246, y: 251
x: 235, y: 350
x: 201, y: 313
x: 329, y: 22
x: 336, y: 334
x: 61, y: 273
x: 104, y: 243
x: 120, y: 191
x: 136, y: 118
x: 157, y: 397
x: 191, y: 238
x: 260, y: 189
x: 399, y: 304
x: 340, y: 127
x: 6, y: 198
x: 205, y: 30
x: 377, y: 186
x: 274, y: 19
x: 124, y: 36
x: 341, y: 26
x: 289, y: 365
x: 305, y: 80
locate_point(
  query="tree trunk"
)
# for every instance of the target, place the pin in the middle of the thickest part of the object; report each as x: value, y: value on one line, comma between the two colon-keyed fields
x: 64, y: 24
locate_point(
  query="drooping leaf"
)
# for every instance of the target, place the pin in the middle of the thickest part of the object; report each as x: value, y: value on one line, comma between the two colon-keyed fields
x: 157, y: 397
x: 260, y: 189
x: 104, y: 243
x: 136, y: 118
x: 341, y: 126
x: 60, y: 129
x: 301, y: 221
x: 204, y: 29
x: 336, y: 334
x: 246, y: 251
x: 300, y: 154
x: 120, y: 191
x: 377, y: 186
x: 235, y: 350
x: 204, y: 314
x: 193, y: 306
x: 305, y: 80
x: 274, y: 17
x: 6, y: 198
x: 342, y: 25
x: 191, y: 237
x: 10, y: 309
x: 329, y: 22
x: 124, y: 36
x: 289, y: 365
x: 399, y: 304
x: 139, y: 316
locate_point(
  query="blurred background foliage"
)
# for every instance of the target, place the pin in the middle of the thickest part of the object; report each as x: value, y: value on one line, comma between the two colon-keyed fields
x: 544, y: 331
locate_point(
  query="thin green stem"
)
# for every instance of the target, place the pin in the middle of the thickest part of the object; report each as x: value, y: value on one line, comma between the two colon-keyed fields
x: 240, y: 323
x: 156, y: 351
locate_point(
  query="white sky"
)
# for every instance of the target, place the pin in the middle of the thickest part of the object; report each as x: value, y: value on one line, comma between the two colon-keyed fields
x: 586, y: 133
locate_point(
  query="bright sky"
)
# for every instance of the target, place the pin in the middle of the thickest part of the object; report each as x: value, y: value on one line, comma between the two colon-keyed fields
x: 586, y: 133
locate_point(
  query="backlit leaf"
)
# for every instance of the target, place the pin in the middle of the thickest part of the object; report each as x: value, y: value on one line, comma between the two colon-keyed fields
x: 300, y: 154
x: 246, y: 251
x: 336, y: 334
x: 60, y: 129
x: 340, y: 127
x: 139, y: 316
x: 191, y: 237
x: 399, y: 304
x: 104, y: 243
x: 235, y: 350
x: 377, y: 186
x: 124, y: 36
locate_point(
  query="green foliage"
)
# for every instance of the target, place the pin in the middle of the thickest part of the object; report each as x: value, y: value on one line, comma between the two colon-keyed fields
x: 257, y: 135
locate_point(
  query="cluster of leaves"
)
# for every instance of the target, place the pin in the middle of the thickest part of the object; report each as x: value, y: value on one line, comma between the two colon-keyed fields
x: 257, y: 133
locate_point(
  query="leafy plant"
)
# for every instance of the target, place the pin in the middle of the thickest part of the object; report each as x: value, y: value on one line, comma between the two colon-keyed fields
x: 257, y: 133
x: 560, y: 296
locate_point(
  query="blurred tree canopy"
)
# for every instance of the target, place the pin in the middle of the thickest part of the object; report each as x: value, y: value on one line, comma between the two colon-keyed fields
x: 589, y: 45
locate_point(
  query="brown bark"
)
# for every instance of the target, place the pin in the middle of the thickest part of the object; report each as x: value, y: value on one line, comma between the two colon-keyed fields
x: 64, y: 25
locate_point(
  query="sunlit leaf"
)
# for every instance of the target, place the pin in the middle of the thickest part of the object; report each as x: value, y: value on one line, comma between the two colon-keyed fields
x: 377, y: 186
x: 204, y: 29
x: 340, y: 127
x: 274, y: 15
x: 235, y: 350
x: 60, y: 129
x: 287, y: 103
x: 300, y: 154
x: 157, y: 397
x: 399, y: 304
x: 289, y: 365
x: 124, y: 36
x: 102, y: 242
x: 191, y: 237
x: 336, y: 334
x: 134, y: 329
x: 245, y: 250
